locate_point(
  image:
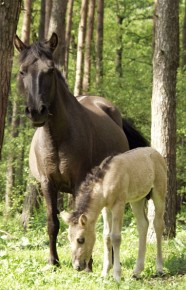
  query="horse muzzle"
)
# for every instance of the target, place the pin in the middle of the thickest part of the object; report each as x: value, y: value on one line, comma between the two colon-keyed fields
x: 79, y: 266
x: 39, y: 116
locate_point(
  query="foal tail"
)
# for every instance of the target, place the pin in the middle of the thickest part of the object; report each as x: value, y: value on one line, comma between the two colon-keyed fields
x: 134, y: 137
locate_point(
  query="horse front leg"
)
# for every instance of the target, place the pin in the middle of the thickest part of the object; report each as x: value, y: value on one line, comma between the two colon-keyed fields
x: 50, y: 194
x: 107, y: 224
x: 117, y: 221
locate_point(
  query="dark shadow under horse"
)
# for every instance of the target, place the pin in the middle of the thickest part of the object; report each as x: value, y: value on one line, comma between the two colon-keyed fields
x: 73, y: 134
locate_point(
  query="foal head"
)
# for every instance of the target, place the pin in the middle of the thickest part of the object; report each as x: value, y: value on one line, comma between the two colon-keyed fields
x: 81, y: 234
x: 37, y: 77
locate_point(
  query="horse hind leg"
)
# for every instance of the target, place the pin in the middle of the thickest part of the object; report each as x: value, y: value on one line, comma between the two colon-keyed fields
x: 159, y: 203
x: 139, y: 210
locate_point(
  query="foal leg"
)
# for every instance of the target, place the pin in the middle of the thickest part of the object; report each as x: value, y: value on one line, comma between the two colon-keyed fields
x: 107, y: 223
x: 50, y: 194
x: 138, y: 209
x: 159, y: 204
x: 117, y: 221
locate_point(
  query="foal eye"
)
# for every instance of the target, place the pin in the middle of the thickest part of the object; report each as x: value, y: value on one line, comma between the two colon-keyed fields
x: 81, y: 240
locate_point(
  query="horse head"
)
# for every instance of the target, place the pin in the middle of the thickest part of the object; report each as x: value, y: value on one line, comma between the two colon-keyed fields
x: 37, y: 77
x: 81, y: 234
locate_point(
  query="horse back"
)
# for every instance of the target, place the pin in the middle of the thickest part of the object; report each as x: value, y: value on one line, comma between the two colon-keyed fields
x: 105, y: 125
x: 131, y: 175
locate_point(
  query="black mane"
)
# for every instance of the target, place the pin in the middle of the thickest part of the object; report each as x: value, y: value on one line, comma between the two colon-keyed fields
x: 84, y: 194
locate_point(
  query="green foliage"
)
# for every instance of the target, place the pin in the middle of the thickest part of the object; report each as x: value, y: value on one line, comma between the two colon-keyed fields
x: 24, y: 256
x: 131, y: 93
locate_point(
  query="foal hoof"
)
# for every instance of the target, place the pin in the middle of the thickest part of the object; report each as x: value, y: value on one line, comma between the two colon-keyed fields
x: 160, y: 273
x: 136, y: 276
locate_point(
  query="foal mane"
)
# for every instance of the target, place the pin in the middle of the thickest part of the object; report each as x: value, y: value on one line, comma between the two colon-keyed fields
x: 84, y: 195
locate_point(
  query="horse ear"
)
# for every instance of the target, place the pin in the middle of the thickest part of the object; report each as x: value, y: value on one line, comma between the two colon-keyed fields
x: 19, y: 45
x: 82, y: 220
x: 65, y: 216
x: 53, y: 41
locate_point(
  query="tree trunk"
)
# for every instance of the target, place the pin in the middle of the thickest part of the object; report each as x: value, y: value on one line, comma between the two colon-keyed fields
x: 45, y: 14
x: 57, y: 25
x: 68, y: 36
x: 163, y: 130
x: 42, y: 21
x: 15, y: 119
x: 10, y: 172
x: 25, y: 33
x: 119, y: 44
x: 48, y: 10
x: 184, y: 39
x: 80, y: 48
x: 88, y: 41
x: 31, y: 201
x: 99, y: 42
x: 9, y: 15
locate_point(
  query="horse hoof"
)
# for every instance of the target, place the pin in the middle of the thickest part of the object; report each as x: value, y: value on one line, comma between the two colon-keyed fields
x: 54, y: 262
x: 160, y: 273
x: 136, y: 276
x: 117, y: 279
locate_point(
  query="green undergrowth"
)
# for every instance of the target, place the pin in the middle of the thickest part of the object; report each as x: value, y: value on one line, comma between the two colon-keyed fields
x: 24, y: 254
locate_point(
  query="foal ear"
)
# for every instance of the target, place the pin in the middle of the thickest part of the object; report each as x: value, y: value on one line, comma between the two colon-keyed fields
x: 65, y: 216
x: 82, y: 220
x: 53, y: 41
x: 19, y: 45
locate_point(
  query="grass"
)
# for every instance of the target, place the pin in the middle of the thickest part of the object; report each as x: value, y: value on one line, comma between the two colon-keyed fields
x: 23, y: 259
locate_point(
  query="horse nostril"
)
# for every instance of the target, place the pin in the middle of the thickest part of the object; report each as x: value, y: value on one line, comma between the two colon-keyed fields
x: 27, y: 110
x: 43, y: 109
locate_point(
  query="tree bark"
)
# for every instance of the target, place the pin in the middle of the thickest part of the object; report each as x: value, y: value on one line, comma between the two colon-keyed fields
x: 88, y: 41
x: 15, y: 119
x: 9, y: 15
x: 163, y: 129
x: 42, y: 21
x: 10, y: 172
x: 184, y: 39
x: 99, y: 42
x: 80, y: 48
x: 68, y: 36
x: 25, y: 33
x: 120, y: 11
x: 57, y: 25
x: 48, y: 11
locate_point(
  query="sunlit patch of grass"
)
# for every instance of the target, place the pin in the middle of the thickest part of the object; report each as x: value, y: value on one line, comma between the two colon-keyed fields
x: 24, y: 260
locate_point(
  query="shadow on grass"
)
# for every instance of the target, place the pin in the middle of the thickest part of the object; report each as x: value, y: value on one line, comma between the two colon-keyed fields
x: 176, y: 265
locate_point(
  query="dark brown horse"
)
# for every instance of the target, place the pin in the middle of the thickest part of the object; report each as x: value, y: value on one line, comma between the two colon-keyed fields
x: 73, y: 134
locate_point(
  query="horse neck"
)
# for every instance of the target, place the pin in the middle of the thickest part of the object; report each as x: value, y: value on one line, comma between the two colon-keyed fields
x: 61, y: 110
x: 96, y: 204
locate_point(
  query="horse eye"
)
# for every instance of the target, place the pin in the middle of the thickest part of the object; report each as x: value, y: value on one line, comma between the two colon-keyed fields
x: 81, y: 240
x: 22, y: 72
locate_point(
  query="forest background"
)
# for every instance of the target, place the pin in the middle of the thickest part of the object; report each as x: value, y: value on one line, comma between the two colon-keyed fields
x: 126, y: 79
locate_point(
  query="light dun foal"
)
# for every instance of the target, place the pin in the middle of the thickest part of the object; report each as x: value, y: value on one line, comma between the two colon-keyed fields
x: 127, y: 177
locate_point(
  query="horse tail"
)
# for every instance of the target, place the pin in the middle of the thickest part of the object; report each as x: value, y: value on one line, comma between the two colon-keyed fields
x: 134, y: 137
